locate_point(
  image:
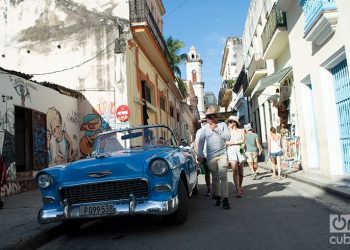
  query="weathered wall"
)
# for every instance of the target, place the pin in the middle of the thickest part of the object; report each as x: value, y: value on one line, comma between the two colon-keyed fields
x: 62, y: 124
x: 40, y: 36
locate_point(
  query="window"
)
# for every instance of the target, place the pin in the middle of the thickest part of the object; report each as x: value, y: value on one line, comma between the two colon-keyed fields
x: 194, y: 76
x: 148, y: 94
x: 171, y: 111
x: 162, y: 103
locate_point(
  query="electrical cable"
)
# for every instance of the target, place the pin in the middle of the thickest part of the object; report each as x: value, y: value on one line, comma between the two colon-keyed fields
x: 76, y: 66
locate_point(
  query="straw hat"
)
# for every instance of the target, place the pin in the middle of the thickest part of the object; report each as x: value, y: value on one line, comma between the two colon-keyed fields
x: 233, y: 118
x: 211, y: 111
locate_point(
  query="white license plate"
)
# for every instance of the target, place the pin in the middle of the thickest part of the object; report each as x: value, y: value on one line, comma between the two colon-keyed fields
x: 92, y: 210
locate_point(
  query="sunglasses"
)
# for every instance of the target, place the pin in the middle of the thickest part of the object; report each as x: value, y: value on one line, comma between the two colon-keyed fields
x: 211, y: 117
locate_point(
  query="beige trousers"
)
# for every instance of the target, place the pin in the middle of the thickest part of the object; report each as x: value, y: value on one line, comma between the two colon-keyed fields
x: 218, y: 166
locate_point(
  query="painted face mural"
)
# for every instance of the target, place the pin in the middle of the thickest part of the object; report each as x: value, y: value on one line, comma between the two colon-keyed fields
x: 61, y: 145
x: 93, y: 124
x: 123, y: 113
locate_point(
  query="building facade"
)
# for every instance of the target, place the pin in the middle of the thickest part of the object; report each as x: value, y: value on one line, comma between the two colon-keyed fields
x: 231, y: 66
x: 112, y: 52
x: 319, y: 49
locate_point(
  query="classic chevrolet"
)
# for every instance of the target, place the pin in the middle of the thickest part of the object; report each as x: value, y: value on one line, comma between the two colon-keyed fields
x: 138, y: 170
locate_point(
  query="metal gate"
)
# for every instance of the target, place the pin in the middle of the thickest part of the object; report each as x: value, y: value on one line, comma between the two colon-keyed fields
x: 342, y: 95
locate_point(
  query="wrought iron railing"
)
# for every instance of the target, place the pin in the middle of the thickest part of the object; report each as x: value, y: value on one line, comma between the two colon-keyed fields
x: 257, y: 63
x: 140, y: 12
x: 276, y: 19
x: 313, y: 8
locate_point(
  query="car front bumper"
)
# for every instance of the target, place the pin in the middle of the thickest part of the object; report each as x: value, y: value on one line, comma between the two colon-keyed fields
x: 131, y: 207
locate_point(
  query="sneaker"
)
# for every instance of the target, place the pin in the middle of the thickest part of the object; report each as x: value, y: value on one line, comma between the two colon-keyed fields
x: 225, y: 203
x: 253, y: 176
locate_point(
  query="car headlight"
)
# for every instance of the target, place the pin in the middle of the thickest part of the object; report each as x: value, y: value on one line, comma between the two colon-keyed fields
x: 159, y: 167
x: 44, y: 180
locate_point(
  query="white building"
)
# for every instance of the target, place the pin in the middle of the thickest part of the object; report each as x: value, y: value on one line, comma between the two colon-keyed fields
x: 231, y: 66
x: 295, y: 55
x: 318, y: 33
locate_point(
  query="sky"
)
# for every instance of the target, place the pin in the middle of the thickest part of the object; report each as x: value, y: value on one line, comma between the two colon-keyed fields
x: 205, y: 24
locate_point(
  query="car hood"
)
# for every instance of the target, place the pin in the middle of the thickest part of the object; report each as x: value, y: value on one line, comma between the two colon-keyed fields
x: 121, y: 165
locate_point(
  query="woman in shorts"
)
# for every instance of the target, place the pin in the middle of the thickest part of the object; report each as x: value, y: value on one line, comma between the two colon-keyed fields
x: 275, y: 151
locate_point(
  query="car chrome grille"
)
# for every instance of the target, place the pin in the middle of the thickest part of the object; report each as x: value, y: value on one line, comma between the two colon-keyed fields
x: 105, y: 191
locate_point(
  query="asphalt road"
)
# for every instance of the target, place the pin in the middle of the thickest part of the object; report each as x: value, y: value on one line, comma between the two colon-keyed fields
x: 272, y: 215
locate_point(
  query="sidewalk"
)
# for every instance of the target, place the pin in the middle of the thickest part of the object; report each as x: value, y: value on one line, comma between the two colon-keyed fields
x: 336, y: 186
x: 19, y: 228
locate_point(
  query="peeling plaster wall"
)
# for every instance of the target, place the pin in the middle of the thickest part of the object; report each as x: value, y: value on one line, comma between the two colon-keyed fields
x: 79, y: 44
x: 40, y: 35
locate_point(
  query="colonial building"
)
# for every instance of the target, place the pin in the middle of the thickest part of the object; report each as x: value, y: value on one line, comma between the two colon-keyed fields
x: 231, y: 65
x: 112, y: 52
x: 295, y: 55
x: 319, y: 49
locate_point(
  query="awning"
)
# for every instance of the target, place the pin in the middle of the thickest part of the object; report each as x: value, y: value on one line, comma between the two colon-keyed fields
x: 269, y: 80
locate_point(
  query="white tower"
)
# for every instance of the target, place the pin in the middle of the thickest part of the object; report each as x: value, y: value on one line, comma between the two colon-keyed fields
x: 194, y: 75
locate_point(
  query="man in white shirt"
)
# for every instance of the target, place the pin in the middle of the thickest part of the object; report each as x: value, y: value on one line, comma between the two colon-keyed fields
x: 215, y: 134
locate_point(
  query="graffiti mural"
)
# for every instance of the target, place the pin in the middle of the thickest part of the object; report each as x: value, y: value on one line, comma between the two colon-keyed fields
x: 7, y: 155
x: 107, y: 112
x: 39, y: 141
x: 60, y: 144
x: 22, y: 89
x: 93, y: 124
x: 73, y: 117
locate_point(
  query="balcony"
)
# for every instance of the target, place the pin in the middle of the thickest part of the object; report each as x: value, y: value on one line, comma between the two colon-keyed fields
x: 256, y: 70
x: 275, y: 36
x: 321, y: 17
x: 148, y: 36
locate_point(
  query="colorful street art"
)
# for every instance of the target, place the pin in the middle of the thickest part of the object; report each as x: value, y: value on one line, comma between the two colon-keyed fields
x: 101, y: 119
x: 39, y: 141
x: 60, y: 144
x: 7, y: 155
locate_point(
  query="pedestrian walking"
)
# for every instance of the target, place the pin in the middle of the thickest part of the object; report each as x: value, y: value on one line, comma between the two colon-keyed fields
x: 235, y: 152
x: 215, y: 134
x: 253, y: 149
x: 275, y: 152
x: 203, y: 121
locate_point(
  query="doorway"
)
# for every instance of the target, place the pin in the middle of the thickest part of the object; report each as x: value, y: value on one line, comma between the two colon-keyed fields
x: 30, y: 139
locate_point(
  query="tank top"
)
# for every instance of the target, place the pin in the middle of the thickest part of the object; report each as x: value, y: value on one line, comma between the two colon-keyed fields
x: 276, y: 145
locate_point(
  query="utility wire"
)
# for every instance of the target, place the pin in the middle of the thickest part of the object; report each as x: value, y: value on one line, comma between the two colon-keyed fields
x: 178, y: 7
x: 76, y: 66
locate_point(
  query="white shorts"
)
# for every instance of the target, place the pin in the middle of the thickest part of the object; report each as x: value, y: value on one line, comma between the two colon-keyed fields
x: 233, y: 154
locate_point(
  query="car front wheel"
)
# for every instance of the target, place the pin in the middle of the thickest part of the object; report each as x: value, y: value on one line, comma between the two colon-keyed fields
x: 180, y: 215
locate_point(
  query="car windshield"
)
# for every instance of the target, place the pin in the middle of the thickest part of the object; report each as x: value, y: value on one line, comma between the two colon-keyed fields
x: 125, y: 139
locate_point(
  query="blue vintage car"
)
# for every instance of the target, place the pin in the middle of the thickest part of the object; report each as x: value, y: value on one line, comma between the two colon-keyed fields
x: 138, y: 170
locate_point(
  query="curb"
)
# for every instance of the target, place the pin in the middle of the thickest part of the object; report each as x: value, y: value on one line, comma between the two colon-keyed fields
x: 325, y: 187
x: 36, y: 240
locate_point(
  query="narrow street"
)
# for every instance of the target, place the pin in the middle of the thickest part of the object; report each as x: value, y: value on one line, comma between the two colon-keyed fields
x: 271, y: 215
